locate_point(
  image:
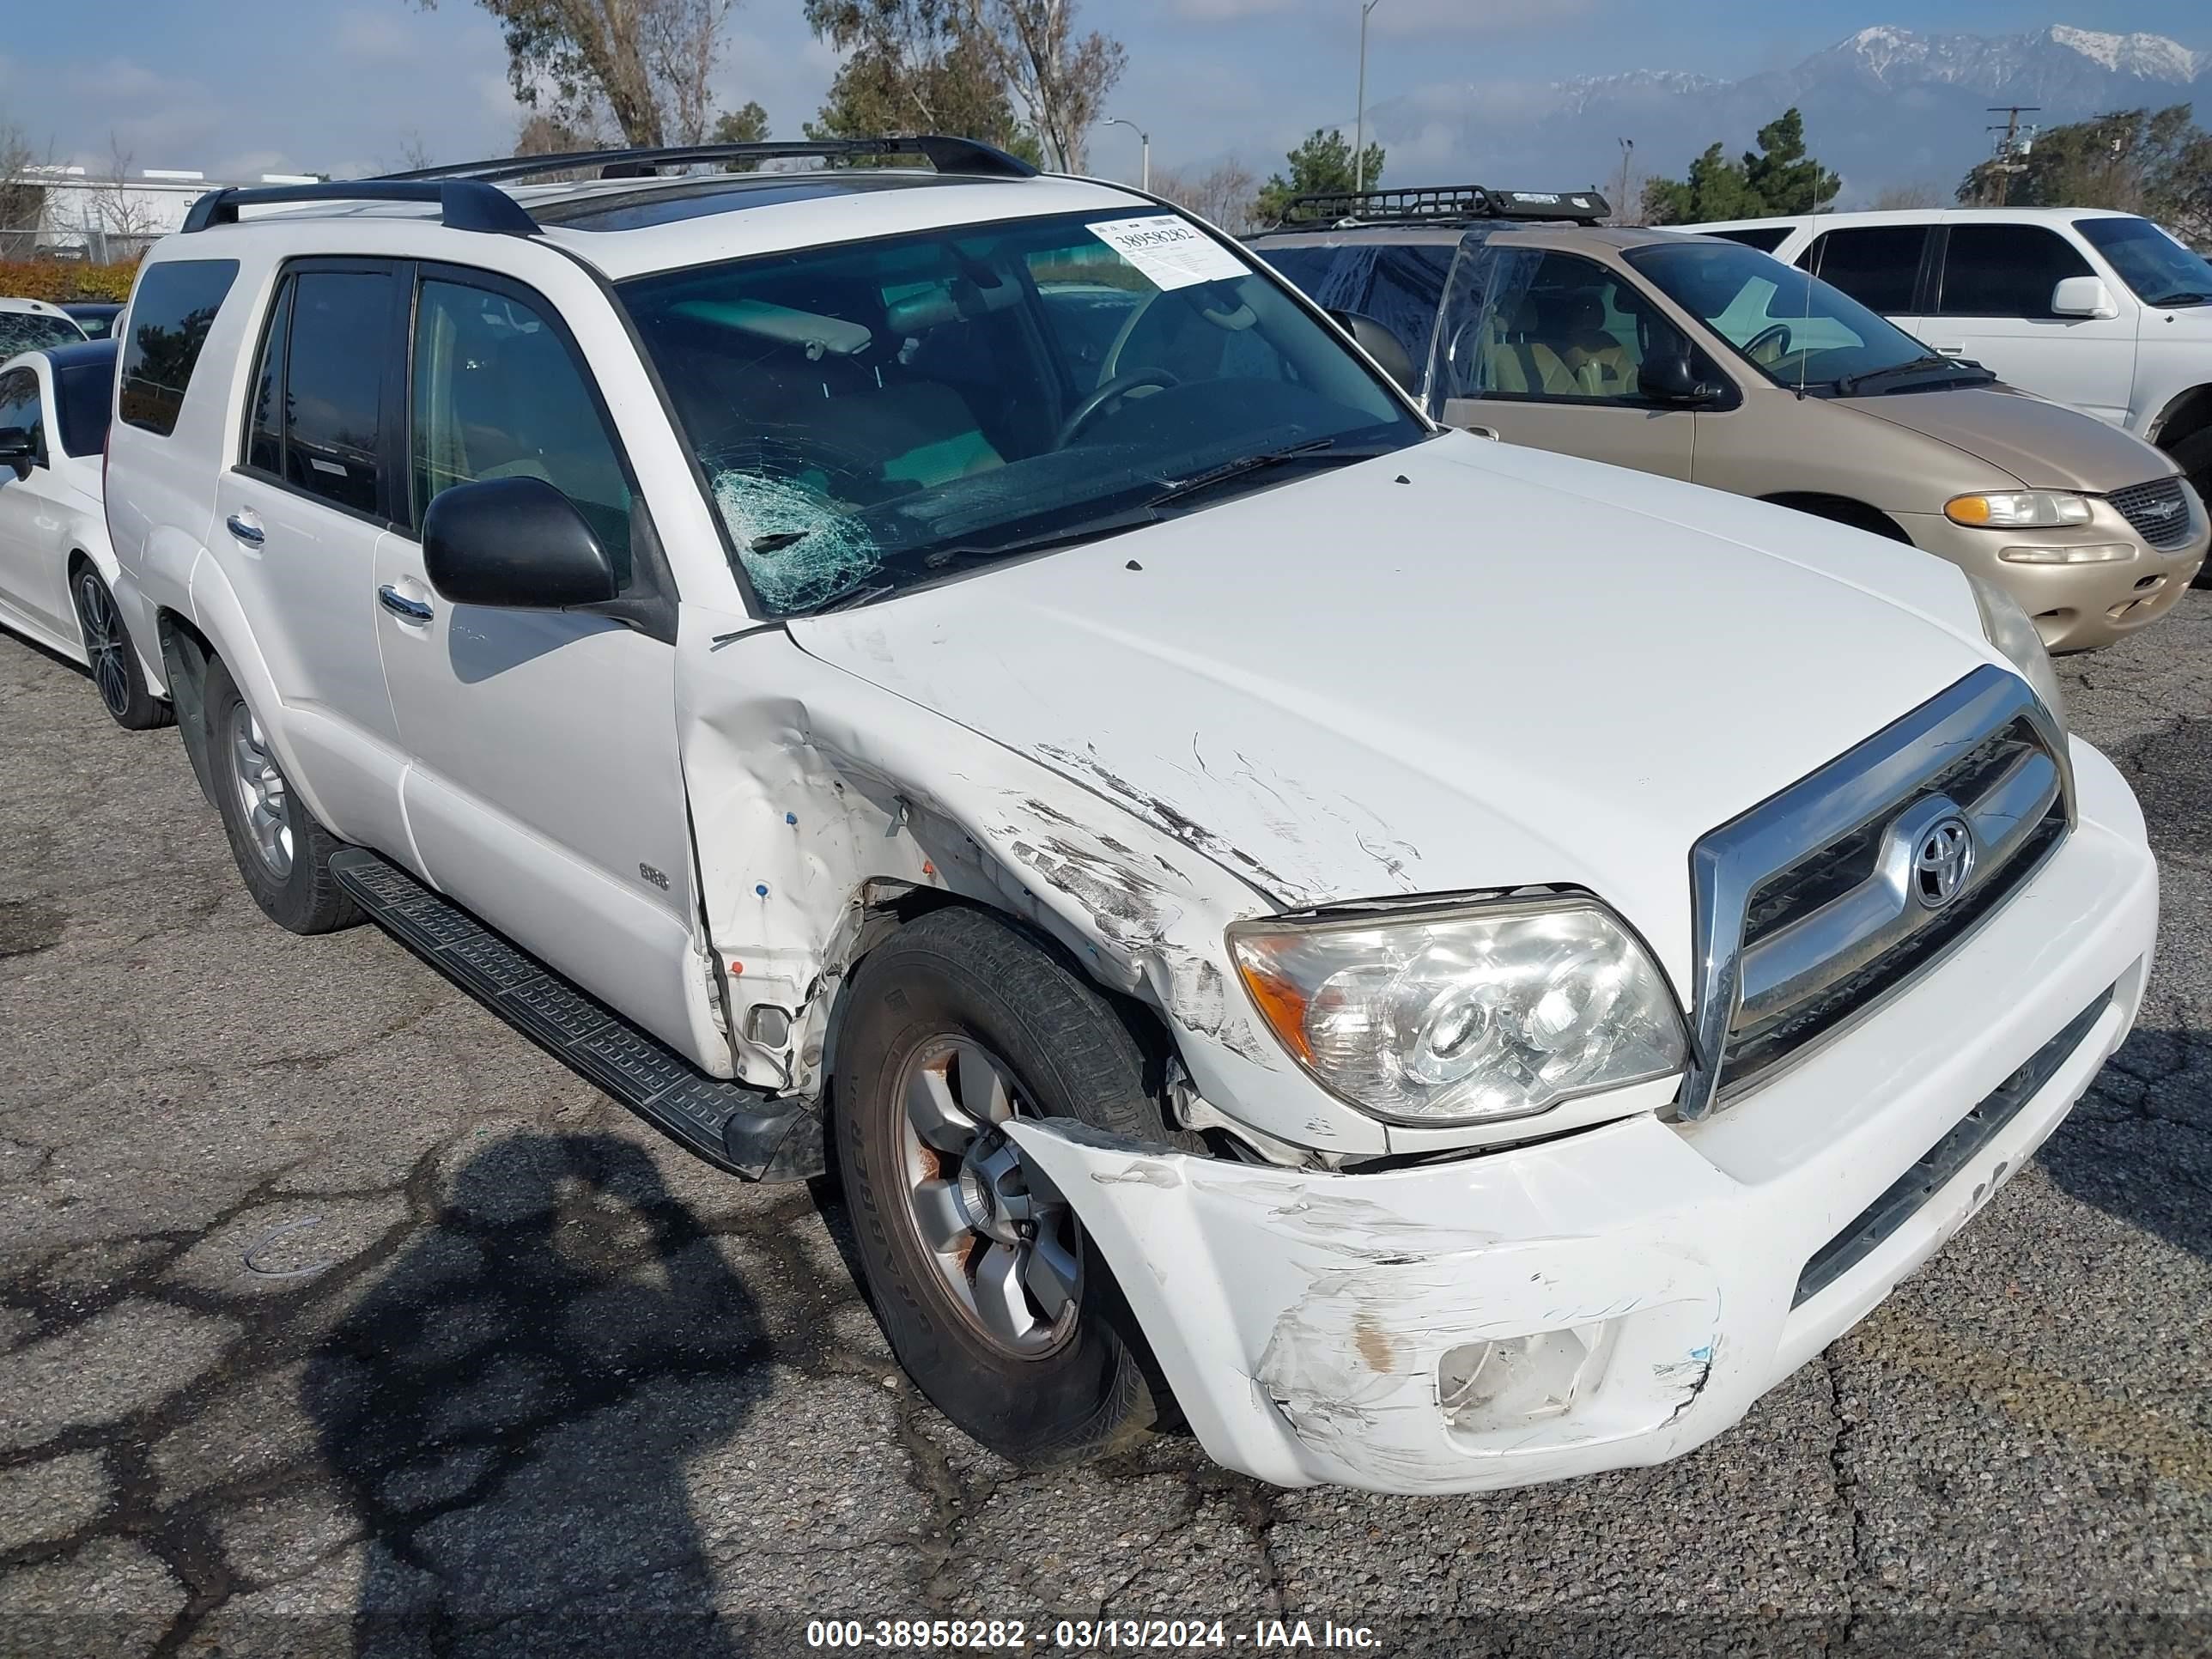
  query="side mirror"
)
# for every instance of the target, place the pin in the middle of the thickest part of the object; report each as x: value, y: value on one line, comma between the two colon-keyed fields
x: 18, y: 449
x: 514, y: 542
x: 1380, y: 343
x: 1670, y: 377
x: 2082, y: 296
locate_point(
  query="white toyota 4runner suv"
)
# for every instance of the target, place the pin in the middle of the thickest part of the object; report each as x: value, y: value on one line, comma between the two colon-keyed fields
x: 1440, y: 964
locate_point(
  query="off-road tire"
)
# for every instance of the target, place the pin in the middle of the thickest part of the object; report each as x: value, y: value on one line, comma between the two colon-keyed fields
x: 307, y: 898
x: 962, y: 970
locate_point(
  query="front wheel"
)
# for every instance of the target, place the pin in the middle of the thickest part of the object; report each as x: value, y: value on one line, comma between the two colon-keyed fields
x: 282, y: 853
x: 982, y: 1277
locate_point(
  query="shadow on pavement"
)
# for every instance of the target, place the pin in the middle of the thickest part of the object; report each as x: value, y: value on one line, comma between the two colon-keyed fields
x: 2136, y: 1147
x: 510, y: 1409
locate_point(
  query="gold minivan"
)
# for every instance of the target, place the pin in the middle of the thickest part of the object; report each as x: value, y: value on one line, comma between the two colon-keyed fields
x: 1711, y: 362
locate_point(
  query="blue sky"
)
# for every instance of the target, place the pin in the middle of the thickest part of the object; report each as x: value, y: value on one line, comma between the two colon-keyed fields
x: 241, y: 87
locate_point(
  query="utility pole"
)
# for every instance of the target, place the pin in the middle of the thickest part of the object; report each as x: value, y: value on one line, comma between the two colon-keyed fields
x: 1620, y: 207
x: 1359, y: 121
x: 2010, y: 147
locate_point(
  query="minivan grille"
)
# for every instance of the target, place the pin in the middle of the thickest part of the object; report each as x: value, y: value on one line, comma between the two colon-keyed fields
x: 2157, y: 511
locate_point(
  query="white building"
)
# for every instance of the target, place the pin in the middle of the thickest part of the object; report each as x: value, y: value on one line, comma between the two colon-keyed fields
x: 75, y: 213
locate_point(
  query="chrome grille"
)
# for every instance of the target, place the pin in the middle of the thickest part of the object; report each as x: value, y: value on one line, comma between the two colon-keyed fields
x: 2157, y: 511
x: 1809, y: 910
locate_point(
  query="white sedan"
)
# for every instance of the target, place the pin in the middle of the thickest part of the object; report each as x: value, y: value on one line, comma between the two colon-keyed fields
x: 56, y: 566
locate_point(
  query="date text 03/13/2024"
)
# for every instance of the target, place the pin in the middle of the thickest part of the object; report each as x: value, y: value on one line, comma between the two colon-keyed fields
x: 1084, y: 1635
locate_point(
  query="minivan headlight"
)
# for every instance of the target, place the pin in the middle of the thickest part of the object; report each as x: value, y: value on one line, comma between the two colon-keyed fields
x: 2025, y: 509
x: 2009, y: 628
x: 1465, y: 1014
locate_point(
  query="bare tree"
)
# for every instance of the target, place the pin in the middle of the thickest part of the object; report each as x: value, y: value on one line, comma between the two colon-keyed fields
x: 682, y: 41
x: 1223, y: 196
x: 645, y: 62
x: 1922, y: 195
x: 119, y: 221
x: 414, y: 154
x: 1057, y: 81
x: 22, y: 195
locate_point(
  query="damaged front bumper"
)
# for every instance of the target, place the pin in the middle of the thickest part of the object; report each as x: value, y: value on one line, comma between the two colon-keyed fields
x: 1619, y: 1295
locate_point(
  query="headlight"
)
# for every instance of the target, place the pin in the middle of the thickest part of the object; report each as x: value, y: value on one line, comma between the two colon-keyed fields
x: 2009, y: 628
x: 2029, y: 509
x: 1463, y: 1015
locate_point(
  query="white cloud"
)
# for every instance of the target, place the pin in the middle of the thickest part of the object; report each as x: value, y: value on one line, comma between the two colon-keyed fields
x: 1228, y: 11
x: 378, y: 37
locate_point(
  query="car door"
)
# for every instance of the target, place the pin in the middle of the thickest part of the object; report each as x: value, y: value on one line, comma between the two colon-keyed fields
x: 1547, y: 348
x: 300, y: 517
x: 543, y: 789
x: 31, y: 589
x: 1992, y: 304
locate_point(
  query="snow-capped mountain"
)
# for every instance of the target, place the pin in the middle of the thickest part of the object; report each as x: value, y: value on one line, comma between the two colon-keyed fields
x: 1885, y: 106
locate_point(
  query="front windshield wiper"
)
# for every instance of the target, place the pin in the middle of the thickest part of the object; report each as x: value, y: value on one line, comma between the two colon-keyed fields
x: 2186, y: 296
x: 1847, y: 384
x: 1181, y: 488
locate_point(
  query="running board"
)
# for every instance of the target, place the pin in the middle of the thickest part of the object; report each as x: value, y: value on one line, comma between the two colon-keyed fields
x: 741, y: 1129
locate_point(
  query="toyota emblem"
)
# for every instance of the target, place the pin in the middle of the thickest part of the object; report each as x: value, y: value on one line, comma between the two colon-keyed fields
x: 1942, y: 861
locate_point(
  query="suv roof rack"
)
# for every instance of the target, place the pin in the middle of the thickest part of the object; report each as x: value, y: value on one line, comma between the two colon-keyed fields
x: 1450, y: 205
x: 468, y: 198
x: 945, y: 154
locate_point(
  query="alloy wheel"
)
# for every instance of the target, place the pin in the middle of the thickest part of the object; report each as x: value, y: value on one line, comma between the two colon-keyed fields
x: 261, y: 791
x: 104, y: 642
x: 1009, y: 1252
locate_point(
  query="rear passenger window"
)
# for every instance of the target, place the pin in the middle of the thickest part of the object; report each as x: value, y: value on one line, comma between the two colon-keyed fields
x: 169, y: 317
x: 334, y: 361
x: 265, y: 446
x: 497, y: 395
x: 1878, y: 265
x: 2005, y: 271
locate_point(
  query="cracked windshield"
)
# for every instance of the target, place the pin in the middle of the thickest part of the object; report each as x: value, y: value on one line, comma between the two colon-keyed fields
x: 877, y: 416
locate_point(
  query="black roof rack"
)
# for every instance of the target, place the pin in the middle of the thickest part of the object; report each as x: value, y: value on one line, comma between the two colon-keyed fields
x: 945, y: 154
x: 465, y: 203
x: 468, y: 197
x: 1450, y: 205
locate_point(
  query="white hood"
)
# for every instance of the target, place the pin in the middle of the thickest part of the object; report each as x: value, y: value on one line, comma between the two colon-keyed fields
x: 1464, y: 665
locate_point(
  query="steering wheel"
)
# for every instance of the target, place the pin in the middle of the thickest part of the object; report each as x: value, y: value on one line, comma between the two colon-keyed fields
x: 1112, y: 392
x: 1776, y: 334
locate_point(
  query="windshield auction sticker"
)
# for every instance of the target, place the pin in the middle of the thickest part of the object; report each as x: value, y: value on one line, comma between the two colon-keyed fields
x: 1172, y: 253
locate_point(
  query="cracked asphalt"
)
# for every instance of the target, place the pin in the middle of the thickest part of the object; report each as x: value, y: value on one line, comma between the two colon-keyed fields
x: 335, y: 1318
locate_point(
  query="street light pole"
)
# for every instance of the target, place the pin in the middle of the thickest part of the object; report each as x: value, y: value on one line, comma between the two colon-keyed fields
x: 1144, y: 139
x: 1359, y: 121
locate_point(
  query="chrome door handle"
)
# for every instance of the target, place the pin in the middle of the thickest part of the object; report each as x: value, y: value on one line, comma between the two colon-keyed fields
x: 401, y: 606
x: 246, y: 530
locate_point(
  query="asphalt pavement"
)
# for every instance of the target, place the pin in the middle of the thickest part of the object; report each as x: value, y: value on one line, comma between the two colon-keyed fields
x: 335, y: 1318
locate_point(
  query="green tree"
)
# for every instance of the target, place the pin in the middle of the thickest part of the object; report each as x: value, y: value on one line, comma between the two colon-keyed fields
x: 1782, y: 175
x: 1778, y: 177
x: 646, y: 62
x: 2156, y: 162
x: 1320, y: 166
x: 912, y: 66
x: 745, y: 125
